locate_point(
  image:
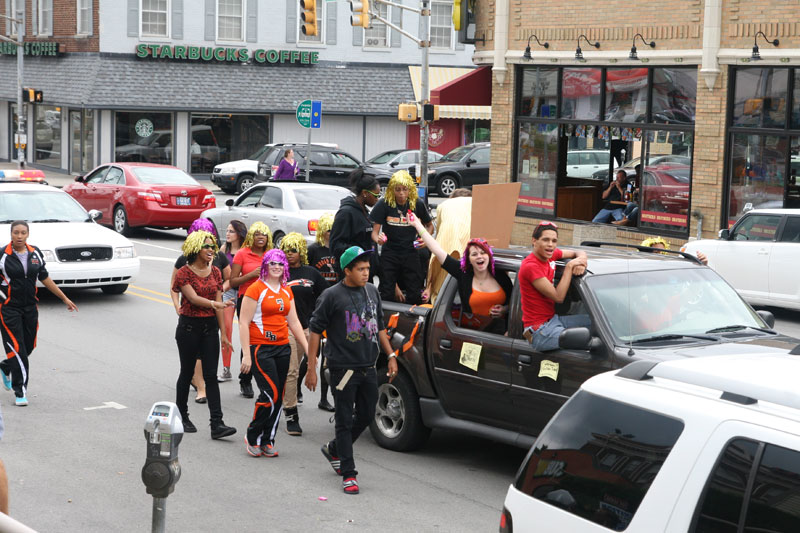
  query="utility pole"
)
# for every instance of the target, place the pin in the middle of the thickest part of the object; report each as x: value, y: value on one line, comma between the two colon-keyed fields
x: 425, y: 45
x: 20, y: 21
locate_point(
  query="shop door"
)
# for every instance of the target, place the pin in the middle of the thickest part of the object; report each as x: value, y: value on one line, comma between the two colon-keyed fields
x: 76, y: 151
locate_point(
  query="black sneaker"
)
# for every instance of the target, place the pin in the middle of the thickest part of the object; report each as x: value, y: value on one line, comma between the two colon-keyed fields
x: 299, y: 395
x: 333, y: 460
x: 221, y: 431
x: 188, y: 427
x: 293, y: 422
x: 325, y: 405
x: 246, y: 390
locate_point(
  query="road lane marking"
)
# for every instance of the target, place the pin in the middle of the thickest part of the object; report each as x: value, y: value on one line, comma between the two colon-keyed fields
x: 154, y: 258
x: 165, y: 295
x: 156, y: 246
x: 106, y: 405
x: 148, y: 297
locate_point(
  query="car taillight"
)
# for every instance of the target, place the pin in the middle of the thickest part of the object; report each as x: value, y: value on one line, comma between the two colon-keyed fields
x: 152, y: 196
x: 312, y: 227
x: 209, y: 199
x: 505, y: 522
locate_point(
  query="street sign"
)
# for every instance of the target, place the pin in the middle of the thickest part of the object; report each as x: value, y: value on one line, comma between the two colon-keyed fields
x: 304, y: 113
x: 316, y: 113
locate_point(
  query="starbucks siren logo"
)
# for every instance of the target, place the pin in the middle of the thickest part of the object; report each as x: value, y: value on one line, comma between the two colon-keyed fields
x: 144, y: 128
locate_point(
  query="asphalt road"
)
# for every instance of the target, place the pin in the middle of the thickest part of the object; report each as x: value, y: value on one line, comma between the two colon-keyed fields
x: 73, y: 468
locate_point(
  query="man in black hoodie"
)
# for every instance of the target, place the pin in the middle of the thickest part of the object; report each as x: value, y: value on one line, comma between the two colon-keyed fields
x: 350, y: 313
x: 351, y: 225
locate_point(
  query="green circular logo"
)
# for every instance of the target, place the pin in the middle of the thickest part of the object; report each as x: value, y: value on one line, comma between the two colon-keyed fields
x: 144, y: 128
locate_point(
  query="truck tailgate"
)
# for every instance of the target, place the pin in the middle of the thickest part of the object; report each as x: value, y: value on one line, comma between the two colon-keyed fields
x: 407, y: 329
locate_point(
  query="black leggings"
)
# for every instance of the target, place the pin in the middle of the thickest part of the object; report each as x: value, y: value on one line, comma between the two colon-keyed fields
x: 198, y: 338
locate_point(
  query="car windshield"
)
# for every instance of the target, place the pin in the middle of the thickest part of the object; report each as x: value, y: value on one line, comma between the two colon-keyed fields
x: 328, y: 199
x: 163, y: 176
x: 385, y: 157
x: 457, y: 154
x: 40, y: 206
x: 690, y: 301
x: 256, y: 156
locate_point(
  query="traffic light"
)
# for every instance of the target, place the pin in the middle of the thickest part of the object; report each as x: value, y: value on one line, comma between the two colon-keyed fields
x: 309, y: 16
x: 32, y: 95
x: 359, y: 13
x: 430, y: 112
x: 457, y: 15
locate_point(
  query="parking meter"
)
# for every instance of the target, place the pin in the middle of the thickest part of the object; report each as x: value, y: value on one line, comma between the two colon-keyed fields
x: 163, y: 432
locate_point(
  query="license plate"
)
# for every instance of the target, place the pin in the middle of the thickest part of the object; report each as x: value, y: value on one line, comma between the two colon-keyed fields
x: 182, y: 200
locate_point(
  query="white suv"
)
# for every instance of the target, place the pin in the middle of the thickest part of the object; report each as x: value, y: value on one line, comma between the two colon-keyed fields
x: 700, y: 445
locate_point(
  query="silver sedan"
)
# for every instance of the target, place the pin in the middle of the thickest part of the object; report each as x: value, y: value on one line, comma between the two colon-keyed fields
x: 284, y: 206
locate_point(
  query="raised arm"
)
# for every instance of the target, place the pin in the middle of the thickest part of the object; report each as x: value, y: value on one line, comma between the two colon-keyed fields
x: 427, y: 238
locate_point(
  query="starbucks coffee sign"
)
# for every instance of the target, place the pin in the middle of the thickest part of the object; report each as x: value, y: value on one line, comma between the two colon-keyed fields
x: 32, y: 48
x: 222, y: 54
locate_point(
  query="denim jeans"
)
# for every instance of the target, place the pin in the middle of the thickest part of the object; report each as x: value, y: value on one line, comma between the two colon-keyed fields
x: 546, y: 337
x: 605, y: 215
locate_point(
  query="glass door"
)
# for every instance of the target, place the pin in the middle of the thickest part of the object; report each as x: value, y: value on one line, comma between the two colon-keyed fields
x: 81, y: 141
x: 76, y: 152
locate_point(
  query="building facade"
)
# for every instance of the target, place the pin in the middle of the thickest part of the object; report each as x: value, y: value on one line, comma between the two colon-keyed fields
x: 202, y: 82
x: 713, y: 126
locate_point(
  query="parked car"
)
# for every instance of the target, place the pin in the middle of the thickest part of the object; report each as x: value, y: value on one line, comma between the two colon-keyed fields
x: 328, y: 164
x: 284, y: 206
x: 22, y: 176
x: 384, y: 165
x: 630, y: 166
x: 642, y: 306
x: 758, y: 256
x: 585, y: 163
x: 131, y: 195
x: 665, y: 188
x: 78, y: 252
x: 238, y: 176
x: 464, y: 166
x: 709, y: 444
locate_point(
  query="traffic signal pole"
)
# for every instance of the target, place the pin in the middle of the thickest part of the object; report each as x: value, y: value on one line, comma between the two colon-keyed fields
x: 20, y: 16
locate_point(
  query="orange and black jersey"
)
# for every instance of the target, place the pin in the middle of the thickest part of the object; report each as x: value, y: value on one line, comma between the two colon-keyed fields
x: 18, y: 282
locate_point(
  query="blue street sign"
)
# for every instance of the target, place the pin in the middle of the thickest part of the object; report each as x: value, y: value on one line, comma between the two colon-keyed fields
x: 316, y: 113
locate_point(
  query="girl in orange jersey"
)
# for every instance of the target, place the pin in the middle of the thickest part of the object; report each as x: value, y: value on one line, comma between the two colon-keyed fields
x: 266, y: 317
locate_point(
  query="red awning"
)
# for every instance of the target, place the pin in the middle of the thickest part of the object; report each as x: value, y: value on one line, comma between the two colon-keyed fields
x: 473, y: 88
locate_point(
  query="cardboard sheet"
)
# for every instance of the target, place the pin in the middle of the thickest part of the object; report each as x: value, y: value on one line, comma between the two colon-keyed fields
x: 493, y: 209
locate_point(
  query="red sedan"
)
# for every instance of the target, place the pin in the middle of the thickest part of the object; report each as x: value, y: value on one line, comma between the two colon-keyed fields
x: 133, y: 195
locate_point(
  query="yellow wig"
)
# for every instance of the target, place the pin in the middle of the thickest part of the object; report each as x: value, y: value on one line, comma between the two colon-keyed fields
x: 258, y: 227
x: 295, y: 241
x: 324, y: 225
x: 194, y: 242
x: 655, y: 240
x: 402, y: 177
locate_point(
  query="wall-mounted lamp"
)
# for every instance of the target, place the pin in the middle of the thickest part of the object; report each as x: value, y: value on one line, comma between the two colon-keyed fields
x: 633, y: 54
x: 757, y: 56
x: 527, y: 54
x: 578, y: 51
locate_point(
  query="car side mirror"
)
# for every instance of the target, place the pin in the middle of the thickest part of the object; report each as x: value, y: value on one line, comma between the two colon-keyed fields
x: 575, y: 339
x: 724, y: 234
x: 95, y: 215
x: 767, y: 317
x: 229, y: 202
x: 79, y: 179
x: 393, y: 164
x: 470, y: 161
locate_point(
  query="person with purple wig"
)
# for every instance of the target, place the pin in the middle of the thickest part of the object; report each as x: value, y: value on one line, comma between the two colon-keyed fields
x: 223, y: 264
x: 484, y: 291
x: 266, y: 317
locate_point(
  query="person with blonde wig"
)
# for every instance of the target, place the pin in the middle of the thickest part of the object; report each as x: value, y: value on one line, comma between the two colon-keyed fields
x: 245, y: 271
x: 400, y: 264
x: 319, y: 253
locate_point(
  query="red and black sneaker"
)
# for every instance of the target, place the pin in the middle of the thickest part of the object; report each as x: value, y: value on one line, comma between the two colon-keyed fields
x: 334, y: 461
x: 350, y: 485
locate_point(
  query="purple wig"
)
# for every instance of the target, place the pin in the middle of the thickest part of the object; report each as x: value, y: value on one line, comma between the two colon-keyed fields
x: 483, y: 245
x: 205, y: 225
x: 274, y: 255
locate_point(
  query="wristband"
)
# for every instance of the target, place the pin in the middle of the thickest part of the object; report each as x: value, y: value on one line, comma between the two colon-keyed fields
x: 422, y: 232
x: 393, y: 354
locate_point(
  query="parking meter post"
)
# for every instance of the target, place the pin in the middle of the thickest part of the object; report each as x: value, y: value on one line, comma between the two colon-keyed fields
x: 163, y: 431
x: 424, y: 44
x: 308, y: 154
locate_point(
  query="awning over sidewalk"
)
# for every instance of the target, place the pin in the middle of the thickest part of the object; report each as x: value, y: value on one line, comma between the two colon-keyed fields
x: 471, y: 89
x: 447, y: 79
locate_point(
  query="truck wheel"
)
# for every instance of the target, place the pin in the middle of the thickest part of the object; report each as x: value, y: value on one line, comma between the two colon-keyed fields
x: 244, y: 182
x: 398, y: 420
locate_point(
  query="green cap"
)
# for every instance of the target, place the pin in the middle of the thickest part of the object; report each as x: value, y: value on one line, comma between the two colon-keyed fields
x: 351, y: 254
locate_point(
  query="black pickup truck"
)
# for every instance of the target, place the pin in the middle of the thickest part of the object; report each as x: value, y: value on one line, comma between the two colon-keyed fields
x: 642, y: 306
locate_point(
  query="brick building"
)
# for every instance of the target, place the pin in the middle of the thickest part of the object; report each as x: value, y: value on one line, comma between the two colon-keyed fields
x: 715, y: 130
x: 201, y: 82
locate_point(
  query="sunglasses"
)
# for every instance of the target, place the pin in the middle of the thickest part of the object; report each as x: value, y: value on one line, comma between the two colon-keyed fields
x: 375, y: 194
x: 547, y: 223
x: 208, y: 247
x: 292, y: 251
x: 275, y: 264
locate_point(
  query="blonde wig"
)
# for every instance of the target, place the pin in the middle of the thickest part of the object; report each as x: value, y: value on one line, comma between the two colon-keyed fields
x: 655, y: 240
x: 402, y: 177
x: 295, y: 241
x: 257, y: 227
x: 194, y: 243
x: 324, y: 225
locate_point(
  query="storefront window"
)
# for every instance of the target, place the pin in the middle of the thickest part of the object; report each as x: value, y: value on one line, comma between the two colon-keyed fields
x: 144, y: 137
x: 537, y: 164
x: 477, y: 131
x: 626, y: 94
x: 47, y: 130
x: 665, y: 181
x: 539, y: 92
x: 580, y: 89
x: 219, y: 138
x: 793, y: 187
x: 757, y: 173
x: 760, y: 97
x: 674, y: 95
x: 796, y: 101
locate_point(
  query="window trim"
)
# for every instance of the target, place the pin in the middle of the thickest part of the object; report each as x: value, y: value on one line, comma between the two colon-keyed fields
x: 40, y: 18
x: 243, y: 33
x: 148, y: 36
x: 321, y: 19
x: 78, y: 8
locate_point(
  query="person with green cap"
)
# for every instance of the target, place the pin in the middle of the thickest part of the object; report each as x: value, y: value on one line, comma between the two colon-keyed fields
x: 351, y: 314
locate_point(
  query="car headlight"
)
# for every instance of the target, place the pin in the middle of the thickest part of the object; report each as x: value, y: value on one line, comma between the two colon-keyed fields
x: 49, y: 256
x: 124, y: 252
x: 431, y: 171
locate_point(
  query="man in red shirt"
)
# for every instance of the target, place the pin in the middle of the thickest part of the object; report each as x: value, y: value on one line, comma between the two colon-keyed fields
x: 539, y: 297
